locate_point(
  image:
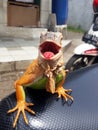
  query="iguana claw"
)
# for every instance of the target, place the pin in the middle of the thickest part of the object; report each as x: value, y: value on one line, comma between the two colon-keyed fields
x: 64, y: 93
x: 21, y: 106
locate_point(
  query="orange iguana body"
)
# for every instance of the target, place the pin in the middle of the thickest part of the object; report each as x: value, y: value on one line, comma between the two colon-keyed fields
x: 46, y: 72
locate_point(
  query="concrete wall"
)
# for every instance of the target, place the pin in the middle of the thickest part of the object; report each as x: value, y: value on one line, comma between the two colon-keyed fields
x: 80, y: 13
x: 3, y: 11
x: 9, y: 73
x: 23, y: 32
x: 45, y: 11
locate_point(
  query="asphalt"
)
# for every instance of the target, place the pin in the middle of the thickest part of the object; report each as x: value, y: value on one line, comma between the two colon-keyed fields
x: 76, y: 40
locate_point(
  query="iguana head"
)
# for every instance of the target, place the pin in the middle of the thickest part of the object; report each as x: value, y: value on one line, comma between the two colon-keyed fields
x: 51, y: 57
x: 50, y: 45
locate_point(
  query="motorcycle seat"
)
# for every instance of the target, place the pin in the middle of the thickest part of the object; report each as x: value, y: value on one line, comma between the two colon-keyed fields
x: 53, y: 114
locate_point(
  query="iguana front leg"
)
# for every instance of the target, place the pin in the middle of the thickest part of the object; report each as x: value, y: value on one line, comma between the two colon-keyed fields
x: 32, y: 73
x: 63, y: 92
x: 21, y: 105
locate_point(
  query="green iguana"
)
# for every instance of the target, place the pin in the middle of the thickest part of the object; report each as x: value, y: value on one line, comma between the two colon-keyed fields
x: 46, y: 72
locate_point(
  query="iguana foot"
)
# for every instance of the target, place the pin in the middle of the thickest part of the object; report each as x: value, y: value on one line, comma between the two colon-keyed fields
x: 21, y: 106
x: 64, y: 93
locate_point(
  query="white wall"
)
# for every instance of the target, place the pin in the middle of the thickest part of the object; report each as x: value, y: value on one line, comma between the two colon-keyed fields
x: 80, y: 13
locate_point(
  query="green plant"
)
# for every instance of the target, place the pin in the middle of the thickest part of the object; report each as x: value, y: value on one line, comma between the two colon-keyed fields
x: 75, y: 29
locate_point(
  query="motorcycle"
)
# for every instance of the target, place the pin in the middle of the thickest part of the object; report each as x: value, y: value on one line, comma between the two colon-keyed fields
x: 86, y: 53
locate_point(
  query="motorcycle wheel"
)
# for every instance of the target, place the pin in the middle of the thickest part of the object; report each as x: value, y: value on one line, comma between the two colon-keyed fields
x: 77, y: 62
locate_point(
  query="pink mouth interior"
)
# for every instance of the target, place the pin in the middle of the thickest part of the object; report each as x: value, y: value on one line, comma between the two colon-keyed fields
x: 49, y: 49
x: 48, y: 54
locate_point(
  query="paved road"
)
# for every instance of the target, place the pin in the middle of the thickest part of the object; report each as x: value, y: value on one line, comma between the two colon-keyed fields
x: 76, y: 40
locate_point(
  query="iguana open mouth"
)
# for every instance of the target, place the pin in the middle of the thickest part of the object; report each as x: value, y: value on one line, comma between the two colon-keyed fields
x: 49, y: 49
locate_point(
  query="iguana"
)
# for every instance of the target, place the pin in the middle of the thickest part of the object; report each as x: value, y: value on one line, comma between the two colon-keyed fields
x: 45, y: 72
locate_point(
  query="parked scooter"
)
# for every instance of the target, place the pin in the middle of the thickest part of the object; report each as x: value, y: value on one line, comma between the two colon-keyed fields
x: 86, y: 53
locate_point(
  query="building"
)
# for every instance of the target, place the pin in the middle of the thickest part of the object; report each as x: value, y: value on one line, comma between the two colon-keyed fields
x: 40, y: 17
x: 80, y: 13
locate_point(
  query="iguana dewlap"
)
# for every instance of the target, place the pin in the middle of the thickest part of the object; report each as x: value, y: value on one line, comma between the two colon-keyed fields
x: 46, y: 72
